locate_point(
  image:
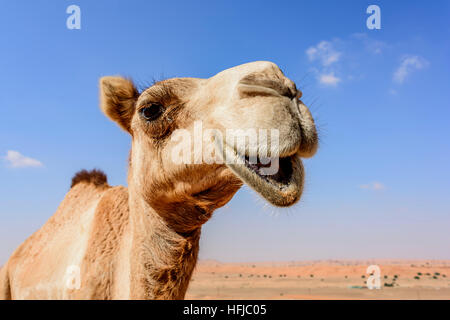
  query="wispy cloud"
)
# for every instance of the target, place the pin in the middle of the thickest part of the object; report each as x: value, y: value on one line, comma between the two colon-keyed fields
x: 392, y: 92
x: 370, y: 45
x: 329, y: 79
x: 338, y: 60
x: 408, y: 65
x: 325, y: 56
x: 373, y: 186
x: 15, y: 159
x: 324, y: 52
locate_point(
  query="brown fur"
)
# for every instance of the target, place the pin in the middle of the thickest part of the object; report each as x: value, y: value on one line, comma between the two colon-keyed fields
x: 5, y: 290
x: 57, y: 235
x: 98, y: 266
x: 96, y: 177
x: 117, y: 98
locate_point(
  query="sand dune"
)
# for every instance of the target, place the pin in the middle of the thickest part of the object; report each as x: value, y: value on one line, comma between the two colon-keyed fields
x: 328, y: 279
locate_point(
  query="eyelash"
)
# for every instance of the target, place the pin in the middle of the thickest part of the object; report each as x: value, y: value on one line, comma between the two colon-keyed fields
x: 160, y: 94
x: 154, y: 111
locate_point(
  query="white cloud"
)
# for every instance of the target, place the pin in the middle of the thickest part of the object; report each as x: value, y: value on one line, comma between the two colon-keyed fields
x: 325, y: 57
x: 329, y: 79
x: 324, y: 52
x: 408, y: 65
x: 17, y: 160
x: 338, y: 60
x: 372, y: 186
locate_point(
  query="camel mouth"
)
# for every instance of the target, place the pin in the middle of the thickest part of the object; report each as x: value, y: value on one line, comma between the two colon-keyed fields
x: 262, y: 168
x: 277, y: 180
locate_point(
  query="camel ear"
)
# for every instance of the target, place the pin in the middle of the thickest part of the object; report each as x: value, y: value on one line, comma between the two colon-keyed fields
x: 117, y: 100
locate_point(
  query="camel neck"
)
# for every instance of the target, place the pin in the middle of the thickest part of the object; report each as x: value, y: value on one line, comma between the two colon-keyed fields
x: 162, y: 260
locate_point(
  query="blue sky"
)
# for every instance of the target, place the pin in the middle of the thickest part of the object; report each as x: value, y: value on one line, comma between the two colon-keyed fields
x: 379, y: 185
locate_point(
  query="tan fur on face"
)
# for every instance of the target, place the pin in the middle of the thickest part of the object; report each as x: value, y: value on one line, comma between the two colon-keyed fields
x: 142, y: 242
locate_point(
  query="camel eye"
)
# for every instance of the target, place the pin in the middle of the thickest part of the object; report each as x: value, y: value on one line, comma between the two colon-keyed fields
x: 152, y: 112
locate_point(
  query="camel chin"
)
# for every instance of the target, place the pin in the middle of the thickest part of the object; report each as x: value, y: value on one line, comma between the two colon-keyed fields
x: 279, y: 181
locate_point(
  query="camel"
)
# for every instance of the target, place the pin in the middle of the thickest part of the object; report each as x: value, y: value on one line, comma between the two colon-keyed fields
x: 142, y: 242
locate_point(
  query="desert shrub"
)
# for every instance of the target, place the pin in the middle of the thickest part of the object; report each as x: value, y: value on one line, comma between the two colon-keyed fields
x: 444, y: 276
x: 311, y: 275
x: 428, y: 274
x: 434, y: 277
x: 437, y: 274
x: 388, y: 284
x: 417, y: 277
x: 385, y: 277
x: 363, y: 276
x: 419, y: 273
x: 226, y: 277
x: 265, y: 276
x: 240, y: 275
x: 395, y: 276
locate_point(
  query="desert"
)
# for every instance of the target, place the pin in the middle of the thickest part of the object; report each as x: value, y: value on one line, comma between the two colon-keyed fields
x: 324, y: 279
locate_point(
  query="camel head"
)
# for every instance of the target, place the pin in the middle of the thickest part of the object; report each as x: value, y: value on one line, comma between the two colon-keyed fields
x: 195, y: 141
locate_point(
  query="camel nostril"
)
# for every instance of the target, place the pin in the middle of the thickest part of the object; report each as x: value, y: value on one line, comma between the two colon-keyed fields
x: 292, y: 89
x: 292, y: 92
x: 252, y: 86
